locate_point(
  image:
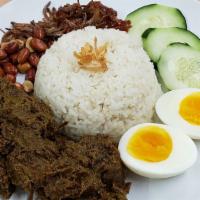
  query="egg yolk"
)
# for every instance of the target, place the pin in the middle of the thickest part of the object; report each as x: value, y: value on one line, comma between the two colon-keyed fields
x: 151, y: 143
x: 190, y: 108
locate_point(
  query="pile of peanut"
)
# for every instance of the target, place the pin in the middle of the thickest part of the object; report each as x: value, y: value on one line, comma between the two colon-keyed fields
x: 22, y: 56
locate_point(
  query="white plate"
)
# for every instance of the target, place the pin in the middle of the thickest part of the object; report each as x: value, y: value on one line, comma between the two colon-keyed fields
x: 184, y: 187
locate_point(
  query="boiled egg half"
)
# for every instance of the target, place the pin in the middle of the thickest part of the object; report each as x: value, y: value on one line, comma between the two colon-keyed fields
x: 181, y: 108
x: 157, y: 151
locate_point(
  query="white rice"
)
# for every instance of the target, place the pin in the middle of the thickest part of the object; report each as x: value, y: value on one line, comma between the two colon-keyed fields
x: 98, y: 103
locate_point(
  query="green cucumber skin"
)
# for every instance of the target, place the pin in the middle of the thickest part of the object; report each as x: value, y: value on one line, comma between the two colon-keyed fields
x: 139, y: 9
x: 147, y: 33
x: 131, y: 15
x: 164, y: 36
x: 182, y: 21
x: 167, y: 66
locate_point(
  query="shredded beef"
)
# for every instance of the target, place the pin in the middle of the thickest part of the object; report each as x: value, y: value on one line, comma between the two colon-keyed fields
x: 37, y: 157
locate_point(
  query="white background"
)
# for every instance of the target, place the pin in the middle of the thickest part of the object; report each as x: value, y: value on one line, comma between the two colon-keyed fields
x: 183, y: 187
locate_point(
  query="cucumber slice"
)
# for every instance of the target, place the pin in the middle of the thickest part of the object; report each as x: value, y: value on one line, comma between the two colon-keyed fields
x: 163, y: 86
x: 155, y: 41
x: 155, y: 16
x: 179, y: 66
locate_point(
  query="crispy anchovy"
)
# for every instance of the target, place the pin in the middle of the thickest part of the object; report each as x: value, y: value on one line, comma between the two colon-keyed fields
x: 57, y: 22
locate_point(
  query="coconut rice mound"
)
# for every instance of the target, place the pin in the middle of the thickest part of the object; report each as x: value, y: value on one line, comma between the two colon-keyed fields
x: 107, y: 102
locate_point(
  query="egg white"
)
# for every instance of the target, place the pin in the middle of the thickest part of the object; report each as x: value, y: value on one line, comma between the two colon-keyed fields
x: 167, y: 109
x: 182, y: 157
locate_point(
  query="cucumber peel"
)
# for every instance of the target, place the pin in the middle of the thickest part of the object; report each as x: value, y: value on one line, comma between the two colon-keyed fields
x: 156, y: 40
x: 155, y: 16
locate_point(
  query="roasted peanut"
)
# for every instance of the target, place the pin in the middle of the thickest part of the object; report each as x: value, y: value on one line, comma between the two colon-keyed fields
x: 11, y: 78
x: 2, y: 74
x: 10, y: 47
x: 28, y: 41
x: 38, y: 32
x: 19, y: 86
x: 24, y: 68
x: 14, y: 57
x: 49, y: 43
x: 2, y: 62
x: 9, y: 68
x: 3, y: 54
x: 34, y: 59
x: 21, y: 43
x: 28, y: 86
x: 30, y: 75
x: 23, y: 55
x: 38, y: 45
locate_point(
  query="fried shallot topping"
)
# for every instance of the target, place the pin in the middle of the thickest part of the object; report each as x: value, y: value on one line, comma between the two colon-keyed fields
x: 92, y: 58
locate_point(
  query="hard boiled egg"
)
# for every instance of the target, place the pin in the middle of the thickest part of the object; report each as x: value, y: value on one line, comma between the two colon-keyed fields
x: 157, y: 151
x: 181, y: 108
